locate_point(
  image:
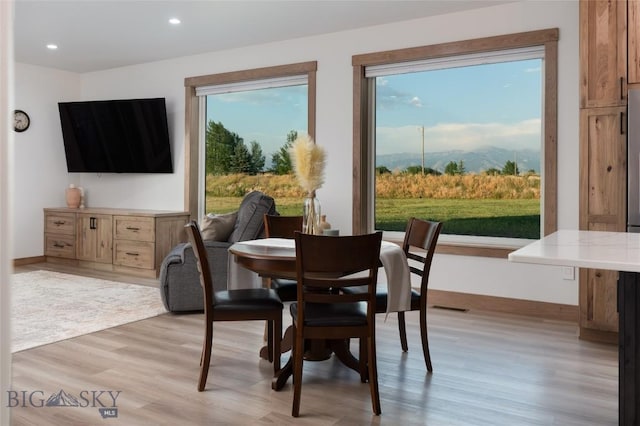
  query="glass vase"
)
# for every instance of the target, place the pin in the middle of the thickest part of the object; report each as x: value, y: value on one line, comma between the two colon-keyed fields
x: 311, y: 215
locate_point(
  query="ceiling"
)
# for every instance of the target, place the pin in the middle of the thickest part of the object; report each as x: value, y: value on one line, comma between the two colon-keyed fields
x: 96, y: 35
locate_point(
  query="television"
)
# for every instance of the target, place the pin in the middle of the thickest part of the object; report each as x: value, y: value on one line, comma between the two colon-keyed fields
x: 116, y: 136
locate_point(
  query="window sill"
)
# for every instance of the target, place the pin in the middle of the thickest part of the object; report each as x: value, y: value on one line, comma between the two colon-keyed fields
x: 465, y: 245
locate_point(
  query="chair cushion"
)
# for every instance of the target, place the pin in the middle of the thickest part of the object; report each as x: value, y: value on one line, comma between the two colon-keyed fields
x: 218, y: 227
x: 256, y: 299
x: 332, y: 314
x: 250, y: 222
x: 286, y: 289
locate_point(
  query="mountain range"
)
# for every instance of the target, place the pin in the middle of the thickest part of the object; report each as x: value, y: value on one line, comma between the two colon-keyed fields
x: 475, y: 161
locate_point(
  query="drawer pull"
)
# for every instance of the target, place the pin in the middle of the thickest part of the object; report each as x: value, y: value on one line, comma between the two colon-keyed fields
x: 132, y: 228
x: 59, y: 244
x: 131, y: 254
x: 59, y: 222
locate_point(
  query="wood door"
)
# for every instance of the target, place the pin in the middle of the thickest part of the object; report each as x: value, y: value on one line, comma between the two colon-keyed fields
x: 94, y: 238
x: 633, y: 43
x: 603, y: 53
x: 603, y: 169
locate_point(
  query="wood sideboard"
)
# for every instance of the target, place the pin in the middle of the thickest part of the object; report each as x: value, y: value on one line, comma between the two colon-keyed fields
x: 120, y: 240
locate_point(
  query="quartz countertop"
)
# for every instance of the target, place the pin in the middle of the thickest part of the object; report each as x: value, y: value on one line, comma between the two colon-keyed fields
x: 619, y: 251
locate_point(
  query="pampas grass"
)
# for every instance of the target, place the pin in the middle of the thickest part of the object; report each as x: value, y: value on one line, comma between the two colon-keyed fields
x: 308, y: 160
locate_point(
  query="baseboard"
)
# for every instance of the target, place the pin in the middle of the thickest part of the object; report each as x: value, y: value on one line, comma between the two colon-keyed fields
x: 544, y: 310
x: 599, y: 336
x: 29, y: 260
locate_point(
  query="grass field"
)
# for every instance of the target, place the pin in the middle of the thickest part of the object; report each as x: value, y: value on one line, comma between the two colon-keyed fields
x: 499, y: 206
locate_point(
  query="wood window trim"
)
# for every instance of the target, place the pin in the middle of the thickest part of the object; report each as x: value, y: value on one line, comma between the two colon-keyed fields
x: 192, y: 114
x: 361, y: 126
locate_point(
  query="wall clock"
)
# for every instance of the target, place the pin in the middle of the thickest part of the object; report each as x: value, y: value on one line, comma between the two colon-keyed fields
x: 21, y: 120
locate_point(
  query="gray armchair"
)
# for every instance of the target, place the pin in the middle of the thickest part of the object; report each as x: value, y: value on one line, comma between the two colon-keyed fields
x: 179, y: 278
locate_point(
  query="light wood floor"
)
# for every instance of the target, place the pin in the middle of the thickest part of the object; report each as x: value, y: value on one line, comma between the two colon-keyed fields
x: 489, y: 369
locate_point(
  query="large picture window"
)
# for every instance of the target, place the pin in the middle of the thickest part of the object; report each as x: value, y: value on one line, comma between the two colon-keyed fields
x: 239, y: 126
x: 465, y: 137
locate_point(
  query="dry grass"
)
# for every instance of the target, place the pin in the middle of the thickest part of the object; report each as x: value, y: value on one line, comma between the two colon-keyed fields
x: 470, y: 186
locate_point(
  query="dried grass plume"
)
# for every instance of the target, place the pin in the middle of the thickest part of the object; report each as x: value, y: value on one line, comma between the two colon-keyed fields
x: 308, y: 160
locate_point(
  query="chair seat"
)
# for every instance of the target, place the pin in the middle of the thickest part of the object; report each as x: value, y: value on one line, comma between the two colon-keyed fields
x: 332, y: 315
x: 254, y: 299
x: 286, y: 289
x: 381, y: 298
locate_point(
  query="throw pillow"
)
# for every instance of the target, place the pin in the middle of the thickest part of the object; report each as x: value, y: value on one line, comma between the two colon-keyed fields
x: 218, y: 227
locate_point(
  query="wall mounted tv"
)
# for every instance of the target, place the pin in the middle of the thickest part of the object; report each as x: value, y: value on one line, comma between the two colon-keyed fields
x: 116, y: 136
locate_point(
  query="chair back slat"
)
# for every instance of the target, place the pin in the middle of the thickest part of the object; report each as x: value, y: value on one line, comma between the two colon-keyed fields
x: 281, y: 226
x: 200, y: 253
x: 325, y: 264
x: 421, y: 236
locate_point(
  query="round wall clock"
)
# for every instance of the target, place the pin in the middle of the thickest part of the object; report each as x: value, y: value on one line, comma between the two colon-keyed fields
x: 21, y: 121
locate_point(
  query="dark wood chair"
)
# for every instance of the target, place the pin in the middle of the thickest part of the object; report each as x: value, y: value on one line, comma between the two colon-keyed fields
x: 233, y: 305
x: 419, y: 245
x: 322, y: 311
x: 283, y: 227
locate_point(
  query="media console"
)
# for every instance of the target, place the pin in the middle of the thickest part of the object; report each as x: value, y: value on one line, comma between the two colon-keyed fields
x: 121, y: 240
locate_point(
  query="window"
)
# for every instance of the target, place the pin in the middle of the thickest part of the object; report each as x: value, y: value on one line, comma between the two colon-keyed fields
x: 435, y: 81
x: 229, y: 133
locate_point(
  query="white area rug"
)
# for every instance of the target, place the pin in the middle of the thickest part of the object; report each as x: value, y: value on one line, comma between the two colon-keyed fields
x: 50, y: 306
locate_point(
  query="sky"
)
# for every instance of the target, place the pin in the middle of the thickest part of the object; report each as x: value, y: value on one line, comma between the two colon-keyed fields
x: 460, y: 109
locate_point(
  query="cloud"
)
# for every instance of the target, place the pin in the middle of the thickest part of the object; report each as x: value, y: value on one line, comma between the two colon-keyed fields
x: 387, y: 97
x: 526, y: 134
x: 281, y: 96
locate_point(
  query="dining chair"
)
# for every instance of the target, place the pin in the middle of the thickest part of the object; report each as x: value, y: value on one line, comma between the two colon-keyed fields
x: 324, y: 266
x: 419, y: 245
x: 283, y: 227
x: 233, y: 305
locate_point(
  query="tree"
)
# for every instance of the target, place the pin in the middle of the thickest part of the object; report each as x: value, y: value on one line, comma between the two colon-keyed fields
x: 453, y: 168
x: 220, y: 147
x: 281, y: 160
x: 240, y: 161
x: 461, y: 169
x: 510, y: 168
x: 380, y: 170
x: 492, y: 171
x: 256, y: 159
x: 413, y: 170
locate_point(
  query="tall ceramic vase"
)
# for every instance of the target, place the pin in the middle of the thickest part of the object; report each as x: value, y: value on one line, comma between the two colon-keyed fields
x: 73, y: 196
x: 311, y: 214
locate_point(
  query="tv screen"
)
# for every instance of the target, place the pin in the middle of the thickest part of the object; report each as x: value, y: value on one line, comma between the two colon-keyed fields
x: 116, y: 136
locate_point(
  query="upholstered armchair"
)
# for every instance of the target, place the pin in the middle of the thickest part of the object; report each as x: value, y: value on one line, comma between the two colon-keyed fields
x: 179, y: 278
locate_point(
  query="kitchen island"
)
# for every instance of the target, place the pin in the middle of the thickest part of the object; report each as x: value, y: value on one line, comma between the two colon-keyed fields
x: 618, y: 251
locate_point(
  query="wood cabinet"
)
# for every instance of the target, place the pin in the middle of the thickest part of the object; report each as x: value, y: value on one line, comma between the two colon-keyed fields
x: 603, y: 53
x: 128, y: 241
x: 633, y: 37
x: 94, y: 237
x: 607, y: 41
x: 602, y: 208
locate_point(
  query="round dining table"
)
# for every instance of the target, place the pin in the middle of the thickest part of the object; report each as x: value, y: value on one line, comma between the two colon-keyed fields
x: 276, y: 258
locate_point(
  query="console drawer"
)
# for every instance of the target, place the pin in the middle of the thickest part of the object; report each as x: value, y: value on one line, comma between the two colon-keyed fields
x: 135, y: 254
x: 60, y: 223
x: 60, y: 245
x: 134, y: 228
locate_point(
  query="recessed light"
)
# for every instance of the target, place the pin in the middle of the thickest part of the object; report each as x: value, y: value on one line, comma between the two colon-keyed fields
x: 52, y: 46
x: 174, y: 21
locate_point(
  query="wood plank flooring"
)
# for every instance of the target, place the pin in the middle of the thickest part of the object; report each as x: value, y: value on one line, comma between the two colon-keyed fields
x: 489, y: 369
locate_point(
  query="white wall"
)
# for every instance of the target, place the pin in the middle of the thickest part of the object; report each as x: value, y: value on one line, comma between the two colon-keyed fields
x: 334, y: 125
x: 40, y: 170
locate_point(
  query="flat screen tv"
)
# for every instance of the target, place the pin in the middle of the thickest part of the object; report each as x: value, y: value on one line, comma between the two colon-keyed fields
x: 116, y: 136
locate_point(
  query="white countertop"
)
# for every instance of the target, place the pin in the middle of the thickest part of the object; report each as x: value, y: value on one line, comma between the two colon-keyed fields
x: 618, y: 251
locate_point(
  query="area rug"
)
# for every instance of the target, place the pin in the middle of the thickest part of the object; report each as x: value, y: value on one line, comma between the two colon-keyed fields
x: 48, y: 306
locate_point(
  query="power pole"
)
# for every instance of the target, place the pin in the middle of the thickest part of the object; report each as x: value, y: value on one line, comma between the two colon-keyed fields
x: 421, y: 129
